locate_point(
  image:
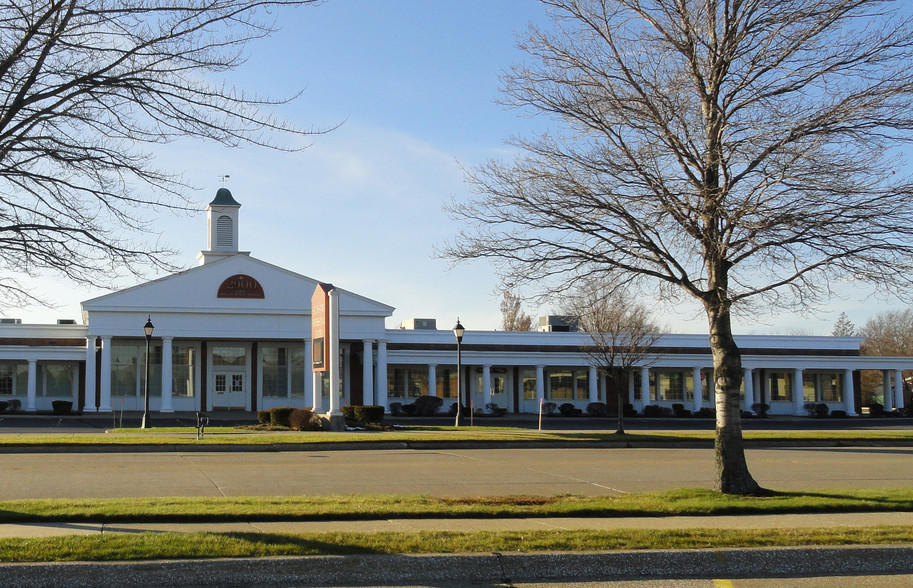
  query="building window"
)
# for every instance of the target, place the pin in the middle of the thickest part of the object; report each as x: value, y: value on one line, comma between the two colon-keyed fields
x: 446, y: 384
x: 128, y: 369
x: 528, y: 379
x: 670, y: 385
x: 229, y: 357
x: 569, y: 385
x: 283, y: 371
x: 831, y: 388
x: 779, y: 386
x: 808, y: 387
x: 13, y: 378
x: 55, y: 379
x: 183, y: 368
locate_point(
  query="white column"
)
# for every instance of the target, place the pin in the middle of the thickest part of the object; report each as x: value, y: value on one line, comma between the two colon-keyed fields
x: 308, y: 373
x: 333, y: 350
x: 540, y: 383
x: 367, y: 372
x: 849, y: 401
x: 432, y: 379
x: 32, y: 389
x: 381, y: 386
x: 886, y: 391
x: 90, y: 405
x: 698, y: 390
x: 317, y: 387
x: 644, y: 389
x: 593, y: 382
x: 486, y: 385
x: 798, y: 394
x: 898, y: 390
x: 748, y: 378
x: 346, y: 368
x: 104, y: 404
x: 166, y: 375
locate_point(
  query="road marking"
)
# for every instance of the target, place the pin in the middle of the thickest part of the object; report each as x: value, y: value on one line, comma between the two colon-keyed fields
x: 722, y: 584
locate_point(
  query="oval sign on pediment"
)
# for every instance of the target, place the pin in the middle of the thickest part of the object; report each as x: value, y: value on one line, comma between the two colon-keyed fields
x: 240, y: 286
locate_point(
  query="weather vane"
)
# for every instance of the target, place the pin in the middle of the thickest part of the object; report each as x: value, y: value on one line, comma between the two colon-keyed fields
x: 224, y: 179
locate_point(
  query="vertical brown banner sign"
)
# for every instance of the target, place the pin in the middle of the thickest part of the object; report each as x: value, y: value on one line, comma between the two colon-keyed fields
x: 320, y: 321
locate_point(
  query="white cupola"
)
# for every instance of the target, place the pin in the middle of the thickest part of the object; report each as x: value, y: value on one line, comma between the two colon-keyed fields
x: 222, y: 222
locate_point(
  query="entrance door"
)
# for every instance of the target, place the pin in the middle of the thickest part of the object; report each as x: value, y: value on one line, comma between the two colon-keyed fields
x: 230, y: 391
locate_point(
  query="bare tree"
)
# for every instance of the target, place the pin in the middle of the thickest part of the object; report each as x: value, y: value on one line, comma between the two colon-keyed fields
x: 886, y: 334
x: 512, y: 316
x: 844, y: 327
x: 622, y: 334
x: 84, y: 85
x: 728, y: 151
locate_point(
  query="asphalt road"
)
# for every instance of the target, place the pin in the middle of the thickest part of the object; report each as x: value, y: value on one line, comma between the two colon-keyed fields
x: 452, y: 472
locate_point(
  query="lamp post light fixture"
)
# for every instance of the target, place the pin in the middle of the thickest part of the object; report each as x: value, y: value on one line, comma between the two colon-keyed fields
x: 147, y: 328
x: 458, y: 331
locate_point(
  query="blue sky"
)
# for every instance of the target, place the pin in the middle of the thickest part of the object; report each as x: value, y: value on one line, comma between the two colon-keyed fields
x: 414, y: 84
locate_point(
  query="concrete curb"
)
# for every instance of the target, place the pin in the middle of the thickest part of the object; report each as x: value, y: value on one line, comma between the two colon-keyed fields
x: 485, y: 569
x: 17, y: 448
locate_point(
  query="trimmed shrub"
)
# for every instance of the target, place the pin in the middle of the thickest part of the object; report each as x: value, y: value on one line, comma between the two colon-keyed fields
x: 409, y: 409
x: 396, y: 408
x: 821, y: 410
x: 678, y: 409
x: 569, y: 410
x: 653, y: 411
x: 838, y: 414
x: 263, y: 417
x: 453, y: 410
x: 760, y: 409
x: 492, y: 408
x: 706, y: 412
x: 304, y: 419
x: 278, y: 417
x: 629, y: 410
x: 427, y: 405
x: 62, y: 406
x: 597, y: 409
x: 3, y: 405
x: 876, y: 409
x: 548, y: 408
x: 358, y: 415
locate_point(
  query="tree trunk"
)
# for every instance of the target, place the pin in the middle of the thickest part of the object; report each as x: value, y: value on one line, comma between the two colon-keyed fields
x: 733, y: 476
x: 620, y: 379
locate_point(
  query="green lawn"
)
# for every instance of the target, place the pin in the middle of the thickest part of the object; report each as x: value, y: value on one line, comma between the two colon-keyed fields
x: 103, y: 547
x: 211, y: 545
x: 357, y: 507
x: 492, y: 435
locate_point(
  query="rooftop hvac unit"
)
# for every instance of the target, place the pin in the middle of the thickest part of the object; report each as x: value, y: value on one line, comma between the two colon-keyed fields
x: 419, y: 324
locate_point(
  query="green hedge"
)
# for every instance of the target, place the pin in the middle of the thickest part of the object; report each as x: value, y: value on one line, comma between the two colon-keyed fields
x: 363, y: 415
x: 279, y: 417
x: 264, y: 417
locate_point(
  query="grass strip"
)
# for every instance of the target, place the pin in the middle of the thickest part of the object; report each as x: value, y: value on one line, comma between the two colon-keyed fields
x: 489, y: 435
x: 367, y: 507
x: 145, y: 546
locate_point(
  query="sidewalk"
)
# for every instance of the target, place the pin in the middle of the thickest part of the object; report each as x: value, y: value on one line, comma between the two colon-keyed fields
x: 867, y: 519
x: 891, y: 564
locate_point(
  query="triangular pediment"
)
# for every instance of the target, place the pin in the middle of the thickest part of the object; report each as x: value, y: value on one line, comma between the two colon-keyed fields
x: 231, y: 288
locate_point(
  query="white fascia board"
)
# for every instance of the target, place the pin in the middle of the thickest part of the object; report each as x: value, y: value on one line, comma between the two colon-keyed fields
x: 48, y: 353
x: 30, y: 331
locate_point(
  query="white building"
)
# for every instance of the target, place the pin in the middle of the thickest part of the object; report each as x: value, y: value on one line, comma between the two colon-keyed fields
x: 234, y: 333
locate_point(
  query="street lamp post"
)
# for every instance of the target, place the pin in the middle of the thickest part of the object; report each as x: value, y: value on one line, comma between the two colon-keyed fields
x: 147, y: 328
x: 458, y: 331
